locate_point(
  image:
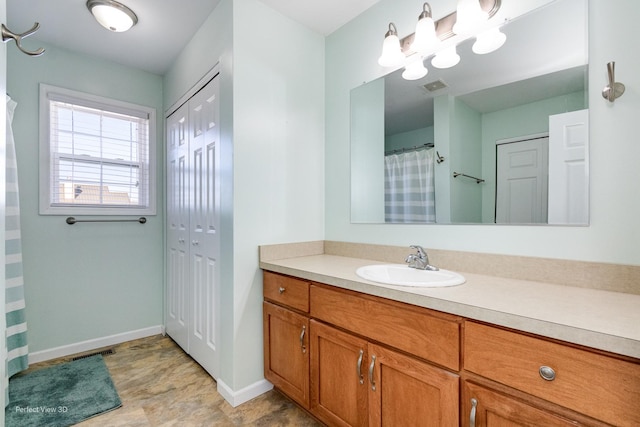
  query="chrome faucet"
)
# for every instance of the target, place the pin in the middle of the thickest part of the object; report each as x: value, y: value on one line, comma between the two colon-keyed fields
x: 419, y: 260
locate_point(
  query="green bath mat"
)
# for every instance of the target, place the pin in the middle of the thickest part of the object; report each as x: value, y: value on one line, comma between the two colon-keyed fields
x: 61, y: 395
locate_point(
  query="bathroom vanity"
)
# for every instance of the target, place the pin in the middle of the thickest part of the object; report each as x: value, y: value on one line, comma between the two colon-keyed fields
x: 492, y: 351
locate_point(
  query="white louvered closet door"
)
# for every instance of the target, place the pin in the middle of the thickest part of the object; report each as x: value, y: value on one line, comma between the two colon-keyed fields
x: 193, y: 238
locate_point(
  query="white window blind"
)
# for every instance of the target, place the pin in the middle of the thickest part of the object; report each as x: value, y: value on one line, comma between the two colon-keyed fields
x: 99, y: 156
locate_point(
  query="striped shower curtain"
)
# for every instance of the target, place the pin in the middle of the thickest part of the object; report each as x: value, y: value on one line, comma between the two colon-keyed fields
x: 16, y: 334
x: 409, y: 187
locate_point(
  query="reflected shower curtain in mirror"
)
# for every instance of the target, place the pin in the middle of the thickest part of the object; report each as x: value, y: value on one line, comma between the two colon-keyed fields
x: 409, y: 187
x: 16, y: 335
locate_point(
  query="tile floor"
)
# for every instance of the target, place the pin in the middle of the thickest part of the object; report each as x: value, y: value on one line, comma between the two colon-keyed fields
x: 161, y: 386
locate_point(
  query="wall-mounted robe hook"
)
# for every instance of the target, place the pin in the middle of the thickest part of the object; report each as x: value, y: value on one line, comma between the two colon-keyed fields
x: 613, y: 90
x: 439, y: 159
x: 10, y: 35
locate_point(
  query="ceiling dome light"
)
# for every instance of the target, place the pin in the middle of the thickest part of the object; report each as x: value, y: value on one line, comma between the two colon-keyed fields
x: 112, y: 15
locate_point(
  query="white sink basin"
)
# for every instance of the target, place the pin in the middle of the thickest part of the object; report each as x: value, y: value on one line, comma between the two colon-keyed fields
x: 403, y: 275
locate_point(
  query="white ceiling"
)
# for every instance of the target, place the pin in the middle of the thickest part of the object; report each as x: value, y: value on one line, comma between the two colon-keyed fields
x: 164, y: 26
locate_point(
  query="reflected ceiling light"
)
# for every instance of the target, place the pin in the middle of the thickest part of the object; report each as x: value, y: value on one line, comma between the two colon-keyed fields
x: 392, y: 55
x: 469, y: 16
x: 112, y: 15
x: 425, y: 39
x: 489, y: 41
x: 415, y: 70
x: 446, y: 58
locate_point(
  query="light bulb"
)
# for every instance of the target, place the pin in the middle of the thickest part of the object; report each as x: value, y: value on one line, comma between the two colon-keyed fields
x: 446, y: 58
x: 425, y: 40
x: 392, y: 55
x: 469, y: 16
x: 414, y: 70
x: 489, y: 41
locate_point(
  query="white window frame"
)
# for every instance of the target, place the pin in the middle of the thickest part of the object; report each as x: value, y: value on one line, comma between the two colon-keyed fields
x: 47, y: 93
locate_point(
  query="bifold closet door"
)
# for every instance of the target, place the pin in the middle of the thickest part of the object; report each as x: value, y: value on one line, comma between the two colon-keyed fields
x: 204, y: 145
x: 177, y: 293
x: 193, y: 212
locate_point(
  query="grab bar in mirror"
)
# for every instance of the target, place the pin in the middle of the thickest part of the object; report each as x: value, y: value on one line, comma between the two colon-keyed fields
x: 71, y: 220
x: 478, y: 180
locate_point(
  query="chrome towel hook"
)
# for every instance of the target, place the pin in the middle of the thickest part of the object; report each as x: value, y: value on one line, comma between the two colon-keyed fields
x: 10, y: 35
x: 613, y: 90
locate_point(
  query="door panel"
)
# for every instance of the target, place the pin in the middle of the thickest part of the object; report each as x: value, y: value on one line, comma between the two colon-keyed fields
x: 178, y: 289
x: 569, y: 168
x: 204, y: 214
x: 521, y: 182
x: 408, y: 392
x: 338, y: 376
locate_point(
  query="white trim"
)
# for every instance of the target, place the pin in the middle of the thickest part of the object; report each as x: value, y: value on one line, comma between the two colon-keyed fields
x: 48, y: 92
x: 522, y: 138
x: 236, y: 398
x: 83, y: 346
x: 194, y: 89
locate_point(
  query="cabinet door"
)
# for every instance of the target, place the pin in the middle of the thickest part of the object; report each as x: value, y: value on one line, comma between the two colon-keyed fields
x: 404, y: 391
x: 338, y: 376
x: 286, y: 359
x: 484, y: 407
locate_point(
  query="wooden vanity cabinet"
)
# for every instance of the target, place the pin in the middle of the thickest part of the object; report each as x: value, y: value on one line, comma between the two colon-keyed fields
x: 588, y: 387
x: 357, y: 379
x: 483, y: 406
x: 286, y: 341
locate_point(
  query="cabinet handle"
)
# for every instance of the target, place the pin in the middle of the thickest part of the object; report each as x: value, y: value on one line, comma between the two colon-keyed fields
x: 359, y: 367
x: 472, y: 416
x: 373, y: 363
x: 281, y: 290
x: 302, y: 346
x: 547, y: 373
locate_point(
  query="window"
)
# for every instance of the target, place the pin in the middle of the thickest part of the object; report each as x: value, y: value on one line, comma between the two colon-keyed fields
x: 97, y: 155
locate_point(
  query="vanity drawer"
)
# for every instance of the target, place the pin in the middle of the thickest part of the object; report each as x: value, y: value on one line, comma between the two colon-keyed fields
x: 286, y: 290
x: 594, y: 384
x: 419, y: 331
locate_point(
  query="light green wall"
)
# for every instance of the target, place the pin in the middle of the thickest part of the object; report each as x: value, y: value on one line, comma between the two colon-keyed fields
x: 367, y: 152
x: 465, y: 155
x: 614, y: 230
x: 84, y: 281
x: 409, y: 139
x: 272, y: 114
x: 278, y: 107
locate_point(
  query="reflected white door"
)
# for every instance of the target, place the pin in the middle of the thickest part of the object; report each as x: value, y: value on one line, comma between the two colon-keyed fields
x: 521, y: 181
x: 178, y: 289
x: 204, y: 127
x: 569, y: 168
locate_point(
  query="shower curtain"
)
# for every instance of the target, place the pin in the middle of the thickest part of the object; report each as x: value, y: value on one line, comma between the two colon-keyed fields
x: 409, y: 187
x: 16, y: 334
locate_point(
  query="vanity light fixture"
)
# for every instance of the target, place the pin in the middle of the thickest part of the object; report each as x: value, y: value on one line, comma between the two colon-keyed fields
x: 392, y: 55
x: 425, y: 40
x: 112, y: 15
x: 439, y: 38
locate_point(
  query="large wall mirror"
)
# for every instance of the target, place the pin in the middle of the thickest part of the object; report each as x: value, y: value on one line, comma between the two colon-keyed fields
x: 501, y: 138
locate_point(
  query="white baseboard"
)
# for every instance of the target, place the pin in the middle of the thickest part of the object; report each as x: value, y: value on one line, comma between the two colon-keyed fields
x: 236, y: 398
x: 84, y: 346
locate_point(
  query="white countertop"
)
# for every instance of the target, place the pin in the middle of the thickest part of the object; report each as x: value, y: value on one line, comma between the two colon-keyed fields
x: 603, y: 320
